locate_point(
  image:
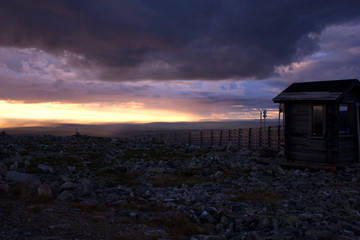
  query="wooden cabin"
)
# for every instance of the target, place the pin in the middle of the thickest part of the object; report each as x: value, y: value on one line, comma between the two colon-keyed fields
x: 321, y: 121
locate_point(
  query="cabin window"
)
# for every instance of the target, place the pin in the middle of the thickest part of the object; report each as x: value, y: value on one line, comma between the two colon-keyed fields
x: 344, y: 123
x: 317, y: 126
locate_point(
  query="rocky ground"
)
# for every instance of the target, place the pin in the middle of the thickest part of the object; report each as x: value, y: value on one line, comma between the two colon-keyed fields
x: 81, y: 187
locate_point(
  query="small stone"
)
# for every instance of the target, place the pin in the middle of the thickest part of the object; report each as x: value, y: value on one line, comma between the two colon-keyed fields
x: 230, y: 147
x: 227, y: 233
x: 45, y: 169
x: 219, y: 227
x: 133, y: 215
x: 305, y: 217
x: 66, y: 196
x: 291, y: 219
x: 124, y: 189
x: 350, y: 227
x: 68, y: 186
x: 335, y: 227
x: 3, y: 169
x: 206, y: 217
x: 319, y: 234
x: 71, y: 168
x: 264, y: 222
x: 14, y: 166
x: 66, y: 179
x: 44, y: 190
x: 61, y: 226
x: 218, y: 174
x: 250, y: 212
x: 4, y: 187
x: 55, y: 187
x: 225, y: 220
x: 157, y: 234
x: 84, y: 188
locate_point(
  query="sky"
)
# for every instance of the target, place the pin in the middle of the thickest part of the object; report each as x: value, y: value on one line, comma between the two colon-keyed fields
x: 108, y: 61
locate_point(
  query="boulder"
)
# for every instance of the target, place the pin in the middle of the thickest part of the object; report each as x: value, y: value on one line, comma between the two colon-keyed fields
x: 22, y: 179
x: 3, y: 169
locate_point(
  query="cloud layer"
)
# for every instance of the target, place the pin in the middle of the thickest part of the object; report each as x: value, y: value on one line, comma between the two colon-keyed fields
x: 163, y: 40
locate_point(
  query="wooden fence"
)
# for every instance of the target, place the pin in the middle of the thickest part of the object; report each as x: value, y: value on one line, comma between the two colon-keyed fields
x: 246, y: 138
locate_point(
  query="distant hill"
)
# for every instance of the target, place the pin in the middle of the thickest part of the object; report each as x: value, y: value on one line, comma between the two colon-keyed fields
x: 131, y: 129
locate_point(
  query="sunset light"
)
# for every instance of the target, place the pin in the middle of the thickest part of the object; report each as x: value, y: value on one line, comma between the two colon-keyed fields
x: 86, y: 113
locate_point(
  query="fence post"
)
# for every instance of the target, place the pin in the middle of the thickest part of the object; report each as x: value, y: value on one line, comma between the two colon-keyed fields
x: 211, y: 138
x: 249, y: 140
x: 229, y: 137
x: 221, y: 138
x: 201, y: 138
x: 260, y: 137
x: 239, y: 139
x: 269, y: 137
x: 189, y: 138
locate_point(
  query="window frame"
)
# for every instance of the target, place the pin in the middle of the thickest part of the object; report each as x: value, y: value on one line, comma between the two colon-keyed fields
x: 322, y: 135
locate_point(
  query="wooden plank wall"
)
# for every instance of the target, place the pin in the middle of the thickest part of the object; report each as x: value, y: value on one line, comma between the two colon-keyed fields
x: 245, y: 138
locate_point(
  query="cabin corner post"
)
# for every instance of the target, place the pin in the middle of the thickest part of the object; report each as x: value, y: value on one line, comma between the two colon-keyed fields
x: 358, y: 128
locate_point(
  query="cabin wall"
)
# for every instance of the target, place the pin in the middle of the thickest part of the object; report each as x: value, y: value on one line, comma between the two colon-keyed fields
x: 332, y: 133
x: 298, y: 143
x: 348, y: 149
x: 347, y: 144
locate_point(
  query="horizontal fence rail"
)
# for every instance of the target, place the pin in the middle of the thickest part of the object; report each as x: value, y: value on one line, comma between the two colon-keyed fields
x: 245, y: 138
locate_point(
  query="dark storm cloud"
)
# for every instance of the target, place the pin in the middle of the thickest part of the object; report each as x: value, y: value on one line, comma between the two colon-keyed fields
x: 161, y: 39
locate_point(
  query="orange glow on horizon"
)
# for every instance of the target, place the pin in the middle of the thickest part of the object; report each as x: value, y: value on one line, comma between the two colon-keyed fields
x: 35, y: 114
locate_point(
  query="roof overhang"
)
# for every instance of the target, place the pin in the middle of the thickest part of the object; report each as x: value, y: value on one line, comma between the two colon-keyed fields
x: 307, y: 96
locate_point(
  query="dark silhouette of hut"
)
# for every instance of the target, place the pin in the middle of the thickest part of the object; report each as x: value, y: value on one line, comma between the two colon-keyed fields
x: 321, y: 121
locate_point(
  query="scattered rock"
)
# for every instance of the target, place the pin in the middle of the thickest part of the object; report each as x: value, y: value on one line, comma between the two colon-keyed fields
x: 4, y: 187
x: 3, y: 169
x: 66, y: 196
x: 55, y: 187
x: 45, y: 169
x: 267, y: 152
x: 68, y: 186
x: 206, y: 217
x: 84, y: 188
x: 22, y: 179
x: 14, y: 166
x: 220, y: 194
x: 158, y: 234
x: 44, y: 190
x: 351, y: 227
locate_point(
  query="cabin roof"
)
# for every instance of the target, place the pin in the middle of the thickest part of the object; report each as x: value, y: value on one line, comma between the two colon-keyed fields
x: 332, y: 90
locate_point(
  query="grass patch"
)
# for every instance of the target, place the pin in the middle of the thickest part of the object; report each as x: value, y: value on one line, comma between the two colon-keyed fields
x: 177, y: 226
x: 258, y: 196
x: 180, y: 225
x: 117, y: 176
